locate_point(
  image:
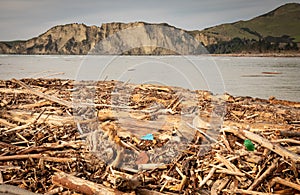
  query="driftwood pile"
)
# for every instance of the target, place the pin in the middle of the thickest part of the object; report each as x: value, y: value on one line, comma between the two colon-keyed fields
x: 109, y: 137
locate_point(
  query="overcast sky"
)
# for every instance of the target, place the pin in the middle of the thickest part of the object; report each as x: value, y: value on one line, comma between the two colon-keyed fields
x: 24, y: 19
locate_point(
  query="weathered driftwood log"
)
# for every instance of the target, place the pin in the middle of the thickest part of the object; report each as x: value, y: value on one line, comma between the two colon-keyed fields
x: 83, y: 186
x: 43, y: 95
x: 286, y: 183
x: 273, y: 147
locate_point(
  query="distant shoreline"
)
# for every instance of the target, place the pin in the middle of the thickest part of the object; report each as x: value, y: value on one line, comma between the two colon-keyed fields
x: 258, y: 55
x: 214, y: 55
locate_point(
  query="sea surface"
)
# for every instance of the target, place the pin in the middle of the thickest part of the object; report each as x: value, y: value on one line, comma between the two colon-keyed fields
x: 260, y: 77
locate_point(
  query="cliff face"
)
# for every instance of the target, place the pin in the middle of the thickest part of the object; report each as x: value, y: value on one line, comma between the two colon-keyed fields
x: 63, y: 39
x: 149, y: 39
x: 112, y: 38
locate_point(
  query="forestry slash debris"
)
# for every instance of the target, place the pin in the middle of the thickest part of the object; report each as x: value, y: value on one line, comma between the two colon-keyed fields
x: 52, y: 144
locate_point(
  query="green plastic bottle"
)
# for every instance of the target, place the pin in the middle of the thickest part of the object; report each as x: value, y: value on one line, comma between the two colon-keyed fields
x: 249, y: 145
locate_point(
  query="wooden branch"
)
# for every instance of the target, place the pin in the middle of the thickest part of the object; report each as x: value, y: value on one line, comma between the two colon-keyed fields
x: 52, y: 146
x: 83, y: 186
x: 8, y: 145
x: 183, y: 181
x: 18, y: 128
x: 286, y: 141
x: 58, y: 159
x: 211, y: 139
x: 14, y: 91
x: 219, y: 185
x: 43, y: 95
x: 286, y: 183
x: 40, y: 103
x: 38, y: 156
x: 45, y: 118
x: 6, y: 123
x: 19, y: 157
x: 275, y: 148
x: 295, y: 149
x: 228, y: 164
x: 225, y: 141
x: 150, y: 166
x: 150, y: 192
x: 228, y: 172
x: 288, y: 133
x: 264, y: 175
x: 294, y: 122
x: 54, y: 191
x: 241, y: 191
x: 210, y: 174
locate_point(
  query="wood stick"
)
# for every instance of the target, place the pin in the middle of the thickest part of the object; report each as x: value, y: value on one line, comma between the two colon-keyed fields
x: 43, y: 95
x: 210, y: 174
x: 287, y: 133
x: 228, y: 172
x: 18, y: 128
x: 252, y: 116
x: 40, y: 103
x: 1, y: 177
x: 286, y: 141
x: 19, y: 157
x: 150, y: 192
x: 203, y: 133
x: 294, y: 122
x: 151, y: 166
x: 264, y: 175
x: 37, y: 156
x: 58, y: 159
x: 228, y: 164
x: 295, y: 149
x: 223, y: 184
x: 219, y: 185
x: 225, y: 141
x: 51, y: 146
x: 49, y: 119
x: 152, y: 87
x: 14, y: 91
x: 286, y: 183
x: 83, y: 186
x: 241, y: 191
x: 54, y: 191
x: 6, y: 123
x: 22, y: 137
x: 7, y: 145
x: 275, y: 148
x: 183, y: 181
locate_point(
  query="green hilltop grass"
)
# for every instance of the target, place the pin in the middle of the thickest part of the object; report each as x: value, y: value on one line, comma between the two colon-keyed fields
x: 284, y: 20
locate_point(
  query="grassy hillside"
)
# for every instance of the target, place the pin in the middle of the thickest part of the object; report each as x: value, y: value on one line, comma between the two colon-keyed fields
x: 276, y: 31
x: 284, y: 20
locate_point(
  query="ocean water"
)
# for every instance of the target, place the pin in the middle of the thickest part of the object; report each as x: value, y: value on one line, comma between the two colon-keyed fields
x: 243, y: 76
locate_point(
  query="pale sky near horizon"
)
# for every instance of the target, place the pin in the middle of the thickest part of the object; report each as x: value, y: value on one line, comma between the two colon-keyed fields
x: 24, y: 19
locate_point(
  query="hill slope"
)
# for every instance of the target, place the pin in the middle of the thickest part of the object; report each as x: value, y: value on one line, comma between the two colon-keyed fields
x: 280, y: 26
x: 276, y: 31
